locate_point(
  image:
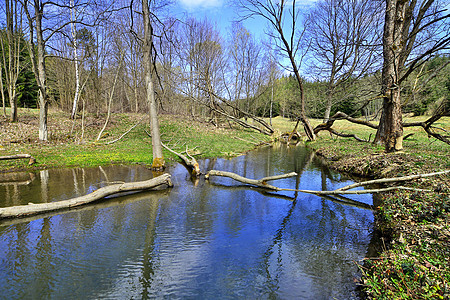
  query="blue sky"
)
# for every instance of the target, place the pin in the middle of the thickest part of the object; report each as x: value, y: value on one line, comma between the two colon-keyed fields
x: 221, y: 12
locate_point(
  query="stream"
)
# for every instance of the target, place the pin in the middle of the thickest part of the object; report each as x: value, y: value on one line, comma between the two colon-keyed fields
x: 203, y: 240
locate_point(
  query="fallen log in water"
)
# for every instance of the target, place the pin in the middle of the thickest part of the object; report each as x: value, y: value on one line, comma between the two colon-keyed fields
x: 341, y: 191
x: 152, y: 195
x: 258, y: 182
x: 34, y: 209
x: 191, y: 163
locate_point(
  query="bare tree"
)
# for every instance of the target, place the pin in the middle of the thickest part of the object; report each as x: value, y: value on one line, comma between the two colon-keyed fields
x: 39, y: 34
x: 37, y: 41
x: 168, y: 63
x: 2, y: 89
x: 282, y: 17
x: 344, y: 37
x: 206, y: 63
x: 245, y: 56
x: 11, y: 52
x: 413, y: 32
x: 148, y: 50
x: 73, y: 29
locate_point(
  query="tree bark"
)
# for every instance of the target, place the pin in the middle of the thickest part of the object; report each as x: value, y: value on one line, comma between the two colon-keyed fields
x: 158, y: 159
x: 73, y: 15
x: 390, y: 130
x: 35, y: 209
x: 37, y: 55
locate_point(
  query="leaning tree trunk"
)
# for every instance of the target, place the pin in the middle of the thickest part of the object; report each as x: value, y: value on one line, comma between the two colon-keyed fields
x: 390, y: 130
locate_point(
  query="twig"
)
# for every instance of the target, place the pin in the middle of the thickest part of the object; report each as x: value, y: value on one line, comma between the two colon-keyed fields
x: 120, y: 137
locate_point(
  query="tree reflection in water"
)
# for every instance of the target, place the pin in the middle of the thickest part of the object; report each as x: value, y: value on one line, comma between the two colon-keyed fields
x: 197, y: 240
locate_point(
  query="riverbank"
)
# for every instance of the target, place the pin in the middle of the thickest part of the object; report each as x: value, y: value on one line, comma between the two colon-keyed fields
x: 73, y: 144
x: 415, y: 226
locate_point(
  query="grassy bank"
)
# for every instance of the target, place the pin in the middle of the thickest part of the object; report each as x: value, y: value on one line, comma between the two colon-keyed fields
x: 415, y: 225
x: 72, y: 144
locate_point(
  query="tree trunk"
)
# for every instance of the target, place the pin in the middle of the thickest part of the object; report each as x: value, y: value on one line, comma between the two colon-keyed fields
x: 35, y: 209
x: 1, y: 90
x: 12, y: 67
x: 158, y: 159
x: 43, y: 98
x: 38, y: 62
x: 13, y: 105
x: 43, y: 113
x: 326, y: 117
x: 75, y: 56
x: 305, y: 121
x: 390, y: 130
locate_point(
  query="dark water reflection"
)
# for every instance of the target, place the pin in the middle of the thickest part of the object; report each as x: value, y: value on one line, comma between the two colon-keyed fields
x: 197, y: 240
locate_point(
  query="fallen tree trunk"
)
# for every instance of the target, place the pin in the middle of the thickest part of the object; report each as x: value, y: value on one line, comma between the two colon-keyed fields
x: 267, y: 131
x: 191, y: 163
x: 443, y: 110
x: 341, y: 191
x: 393, y: 179
x: 34, y: 209
x: 127, y: 198
x: 19, y: 156
x: 258, y: 182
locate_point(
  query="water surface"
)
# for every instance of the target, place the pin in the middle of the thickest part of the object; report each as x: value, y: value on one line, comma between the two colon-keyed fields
x: 207, y: 240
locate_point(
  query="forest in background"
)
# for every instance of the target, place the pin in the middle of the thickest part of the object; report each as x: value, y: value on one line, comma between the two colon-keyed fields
x: 93, y: 56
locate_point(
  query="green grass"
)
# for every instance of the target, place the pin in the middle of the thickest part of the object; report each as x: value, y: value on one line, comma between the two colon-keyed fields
x: 177, y: 132
x: 428, y: 150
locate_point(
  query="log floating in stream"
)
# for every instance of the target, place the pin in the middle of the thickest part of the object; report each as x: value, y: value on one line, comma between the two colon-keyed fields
x: 35, y: 209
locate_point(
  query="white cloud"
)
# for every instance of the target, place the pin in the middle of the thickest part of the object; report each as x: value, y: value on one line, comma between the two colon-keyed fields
x: 201, y: 3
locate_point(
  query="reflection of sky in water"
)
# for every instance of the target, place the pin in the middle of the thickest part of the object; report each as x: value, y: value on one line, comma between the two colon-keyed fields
x: 205, y: 241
